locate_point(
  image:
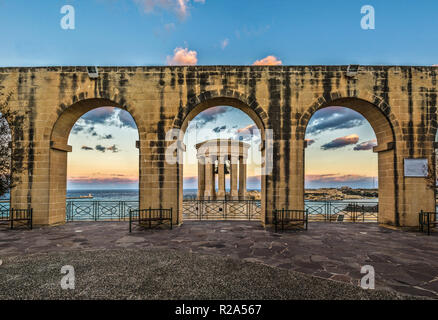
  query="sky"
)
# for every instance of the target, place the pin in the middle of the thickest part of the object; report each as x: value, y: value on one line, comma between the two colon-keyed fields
x: 213, y: 32
x: 236, y: 32
x: 339, y: 151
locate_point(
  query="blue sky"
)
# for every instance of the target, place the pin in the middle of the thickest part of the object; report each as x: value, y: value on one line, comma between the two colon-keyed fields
x: 121, y: 32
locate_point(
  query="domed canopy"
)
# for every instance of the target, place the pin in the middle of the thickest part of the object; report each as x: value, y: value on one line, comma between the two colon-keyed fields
x: 222, y: 148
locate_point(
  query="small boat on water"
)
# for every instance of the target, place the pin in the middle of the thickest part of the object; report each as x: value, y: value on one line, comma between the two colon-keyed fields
x: 90, y: 196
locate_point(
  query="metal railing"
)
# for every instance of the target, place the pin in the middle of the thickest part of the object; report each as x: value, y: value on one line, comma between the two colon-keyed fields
x: 5, y: 205
x: 202, y: 209
x: 99, y: 210
x: 427, y: 221
x: 342, y: 211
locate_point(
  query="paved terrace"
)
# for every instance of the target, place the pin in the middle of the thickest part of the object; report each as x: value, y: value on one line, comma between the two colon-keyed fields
x: 405, y: 262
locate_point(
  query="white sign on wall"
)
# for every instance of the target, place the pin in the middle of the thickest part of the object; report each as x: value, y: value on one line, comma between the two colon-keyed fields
x: 416, y: 168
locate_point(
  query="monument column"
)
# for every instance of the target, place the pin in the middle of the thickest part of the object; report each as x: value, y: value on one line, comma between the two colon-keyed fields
x: 209, y: 179
x: 221, y: 178
x: 201, y: 177
x: 242, y: 177
x: 233, y: 176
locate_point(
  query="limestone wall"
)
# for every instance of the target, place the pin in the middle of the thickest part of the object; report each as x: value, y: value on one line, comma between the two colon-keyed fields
x: 43, y: 104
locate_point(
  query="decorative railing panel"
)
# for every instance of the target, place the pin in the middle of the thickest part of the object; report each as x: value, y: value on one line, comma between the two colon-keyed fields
x: 342, y: 211
x: 99, y: 210
x: 221, y: 209
x: 4, y: 206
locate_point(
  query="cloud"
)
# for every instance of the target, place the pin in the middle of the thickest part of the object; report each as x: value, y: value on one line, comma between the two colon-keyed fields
x: 99, y: 115
x: 85, y: 128
x: 77, y: 128
x: 341, y: 142
x: 126, y: 119
x: 248, y: 132
x: 367, y: 145
x: 225, y: 43
x: 219, y: 129
x: 107, y: 116
x: 334, y: 118
x: 113, y: 148
x: 268, y: 61
x: 86, y: 148
x: 182, y: 57
x: 309, y: 142
x: 100, y: 148
x: 102, y: 180
x: 210, y: 115
x: 179, y: 7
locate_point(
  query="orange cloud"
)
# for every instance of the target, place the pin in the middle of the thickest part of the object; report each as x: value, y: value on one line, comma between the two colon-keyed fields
x: 309, y: 142
x: 249, y: 129
x: 341, y: 142
x: 183, y: 56
x: 268, y: 61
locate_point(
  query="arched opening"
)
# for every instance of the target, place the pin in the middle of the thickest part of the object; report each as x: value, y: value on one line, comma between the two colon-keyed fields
x: 236, y: 184
x: 6, y: 181
x: 341, y: 137
x: 99, y: 179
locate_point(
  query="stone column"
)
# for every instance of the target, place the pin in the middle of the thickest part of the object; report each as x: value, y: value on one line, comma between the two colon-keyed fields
x: 242, y: 177
x: 221, y: 178
x: 201, y: 177
x: 233, y: 177
x: 209, y: 179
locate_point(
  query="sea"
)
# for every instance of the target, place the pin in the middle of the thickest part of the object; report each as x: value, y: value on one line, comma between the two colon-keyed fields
x: 132, y: 195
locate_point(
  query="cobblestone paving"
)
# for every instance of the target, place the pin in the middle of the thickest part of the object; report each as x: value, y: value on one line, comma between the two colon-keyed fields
x: 406, y: 262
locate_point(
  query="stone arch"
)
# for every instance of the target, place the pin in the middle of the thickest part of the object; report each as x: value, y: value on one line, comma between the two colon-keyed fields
x: 387, y: 130
x: 100, y: 99
x: 59, y: 149
x: 384, y: 120
x: 213, y: 98
x: 209, y: 99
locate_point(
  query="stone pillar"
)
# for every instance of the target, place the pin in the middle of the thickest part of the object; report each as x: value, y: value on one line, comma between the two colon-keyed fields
x: 221, y: 178
x: 233, y: 177
x: 209, y: 179
x: 242, y: 177
x: 201, y: 177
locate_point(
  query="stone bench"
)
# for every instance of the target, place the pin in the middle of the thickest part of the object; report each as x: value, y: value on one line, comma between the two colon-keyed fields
x: 150, y: 218
x: 290, y: 218
x: 14, y: 218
